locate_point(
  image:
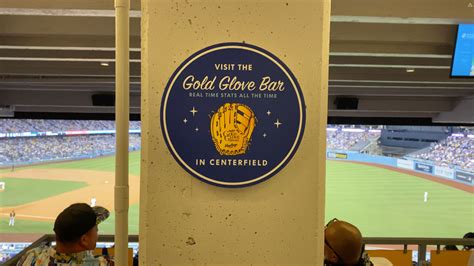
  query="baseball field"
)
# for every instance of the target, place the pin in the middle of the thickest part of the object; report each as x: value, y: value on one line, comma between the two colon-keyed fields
x: 381, y: 202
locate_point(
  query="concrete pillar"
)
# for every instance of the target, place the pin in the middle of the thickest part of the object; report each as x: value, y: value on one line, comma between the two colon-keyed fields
x: 195, y: 211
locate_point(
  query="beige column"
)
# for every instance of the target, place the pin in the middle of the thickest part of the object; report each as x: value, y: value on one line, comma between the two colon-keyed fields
x: 122, y: 105
x: 277, y: 222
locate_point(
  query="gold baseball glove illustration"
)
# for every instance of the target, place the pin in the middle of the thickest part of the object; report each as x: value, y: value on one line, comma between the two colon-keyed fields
x: 231, y: 128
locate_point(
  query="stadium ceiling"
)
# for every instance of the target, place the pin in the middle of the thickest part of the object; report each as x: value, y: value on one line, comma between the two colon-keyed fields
x: 393, y: 55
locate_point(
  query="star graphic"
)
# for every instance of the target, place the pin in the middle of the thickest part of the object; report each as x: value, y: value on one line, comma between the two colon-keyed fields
x: 197, y: 129
x: 277, y: 123
x: 264, y: 135
x: 194, y: 111
x: 268, y: 112
x: 185, y: 120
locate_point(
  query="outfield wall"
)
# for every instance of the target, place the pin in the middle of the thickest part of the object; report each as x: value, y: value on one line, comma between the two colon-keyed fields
x: 426, y: 167
x: 62, y: 159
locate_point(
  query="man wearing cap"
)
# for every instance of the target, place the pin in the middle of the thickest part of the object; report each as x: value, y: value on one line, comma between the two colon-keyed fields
x: 76, y: 235
x: 343, y: 245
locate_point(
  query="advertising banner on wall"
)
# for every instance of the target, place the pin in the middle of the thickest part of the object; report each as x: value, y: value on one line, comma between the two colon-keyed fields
x: 18, y: 134
x: 464, y: 176
x: 337, y: 155
x: 444, y: 172
x: 405, y: 164
x: 233, y: 115
x: 424, y: 168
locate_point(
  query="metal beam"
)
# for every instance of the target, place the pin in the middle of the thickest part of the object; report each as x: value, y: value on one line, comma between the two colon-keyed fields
x: 53, y: 59
x: 400, y: 20
x: 399, y: 87
x: 111, y: 49
x: 404, y: 55
x: 398, y: 93
x: 64, y: 12
x: 63, y: 48
x: 389, y: 66
x: 356, y: 113
x: 70, y: 109
x: 137, y: 14
x: 64, y: 75
x: 400, y: 81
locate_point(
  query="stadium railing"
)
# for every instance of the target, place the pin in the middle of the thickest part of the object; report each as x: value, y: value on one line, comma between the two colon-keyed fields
x: 48, y: 239
x: 422, y: 244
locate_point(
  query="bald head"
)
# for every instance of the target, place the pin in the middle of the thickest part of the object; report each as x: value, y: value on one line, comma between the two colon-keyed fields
x: 345, y: 240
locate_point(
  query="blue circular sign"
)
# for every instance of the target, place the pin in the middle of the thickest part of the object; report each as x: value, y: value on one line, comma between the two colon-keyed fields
x: 233, y: 115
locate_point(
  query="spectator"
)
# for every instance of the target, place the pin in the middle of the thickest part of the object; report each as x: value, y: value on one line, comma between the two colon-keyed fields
x: 76, y: 235
x: 343, y: 245
x: 135, y: 260
x: 469, y: 235
x: 450, y: 247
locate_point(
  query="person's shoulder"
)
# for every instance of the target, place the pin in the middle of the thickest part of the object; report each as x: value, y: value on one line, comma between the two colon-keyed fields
x: 87, y: 256
x: 365, y: 260
x: 381, y: 261
x: 103, y: 261
x: 98, y: 260
x: 40, y: 256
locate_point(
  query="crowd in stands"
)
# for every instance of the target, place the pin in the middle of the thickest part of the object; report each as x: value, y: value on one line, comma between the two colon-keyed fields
x: 4, y: 257
x: 338, y: 139
x: 454, y: 150
x: 8, y: 250
x: 22, y: 150
x: 42, y: 125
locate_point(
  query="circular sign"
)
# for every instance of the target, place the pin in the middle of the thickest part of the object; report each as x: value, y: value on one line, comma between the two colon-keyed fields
x: 232, y: 115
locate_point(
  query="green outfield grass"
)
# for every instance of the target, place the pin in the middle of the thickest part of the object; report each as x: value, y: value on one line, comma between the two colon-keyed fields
x: 381, y: 202
x: 106, y: 163
x: 387, y: 203
x: 25, y: 226
x: 23, y: 190
x: 107, y: 227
